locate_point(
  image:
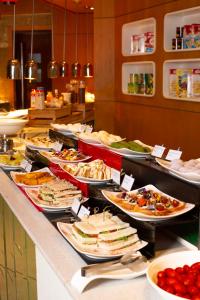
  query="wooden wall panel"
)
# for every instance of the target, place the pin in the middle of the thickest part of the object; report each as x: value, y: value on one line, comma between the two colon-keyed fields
x: 174, y: 123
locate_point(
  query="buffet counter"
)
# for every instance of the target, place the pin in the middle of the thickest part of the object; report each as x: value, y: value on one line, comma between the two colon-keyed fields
x: 57, y: 261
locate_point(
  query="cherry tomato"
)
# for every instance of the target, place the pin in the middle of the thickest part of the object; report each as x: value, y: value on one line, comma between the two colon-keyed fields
x: 180, y: 288
x: 196, y: 297
x: 161, y: 274
x: 196, y: 266
x: 171, y: 281
x: 186, y: 268
x: 179, y: 270
x: 194, y: 290
x: 170, y: 272
x: 170, y: 289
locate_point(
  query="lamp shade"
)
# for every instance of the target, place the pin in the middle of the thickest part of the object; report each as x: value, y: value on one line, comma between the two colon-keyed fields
x: 76, y: 70
x: 30, y: 71
x: 13, y: 69
x: 88, y: 70
x: 63, y: 68
x: 53, y: 69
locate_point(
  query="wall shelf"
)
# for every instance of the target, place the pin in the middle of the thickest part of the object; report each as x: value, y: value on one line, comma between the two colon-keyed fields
x: 137, y: 68
x: 179, y: 19
x: 178, y: 64
x: 137, y: 28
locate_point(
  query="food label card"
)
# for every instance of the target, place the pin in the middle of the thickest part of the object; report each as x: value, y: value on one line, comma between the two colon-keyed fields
x: 75, y: 206
x: 57, y: 146
x: 173, y: 154
x: 116, y: 176
x: 127, y: 183
x: 27, y: 166
x: 83, y: 212
x: 158, y: 151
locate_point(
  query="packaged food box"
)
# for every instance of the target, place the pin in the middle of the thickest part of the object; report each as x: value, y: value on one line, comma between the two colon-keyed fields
x: 148, y: 78
x: 184, y: 86
x: 196, y: 82
x: 134, y: 43
x: 188, y: 37
x: 172, y: 83
x: 149, y: 41
x: 141, y: 43
x: 196, y: 34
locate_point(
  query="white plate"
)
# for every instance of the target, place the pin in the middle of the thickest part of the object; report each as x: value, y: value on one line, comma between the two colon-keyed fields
x: 66, y: 231
x: 85, y: 179
x: 33, y: 195
x: 189, y: 176
x: 173, y: 260
x: 33, y: 147
x: 48, y: 155
x: 9, y: 167
x: 80, y: 282
x: 142, y: 216
x: 13, y: 176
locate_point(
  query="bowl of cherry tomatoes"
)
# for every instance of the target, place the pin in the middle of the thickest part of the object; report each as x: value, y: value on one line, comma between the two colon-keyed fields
x: 176, y: 276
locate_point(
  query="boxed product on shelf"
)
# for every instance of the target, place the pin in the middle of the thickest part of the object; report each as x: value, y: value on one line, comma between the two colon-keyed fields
x: 141, y: 43
x: 196, y: 33
x: 134, y: 43
x: 184, y: 82
x: 172, y: 83
x: 195, y: 82
x: 149, y: 41
x: 148, y: 77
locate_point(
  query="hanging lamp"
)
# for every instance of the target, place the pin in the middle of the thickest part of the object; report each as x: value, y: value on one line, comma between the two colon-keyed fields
x: 76, y: 67
x: 53, y: 67
x: 87, y: 68
x: 31, y: 68
x: 13, y: 66
x: 63, y: 64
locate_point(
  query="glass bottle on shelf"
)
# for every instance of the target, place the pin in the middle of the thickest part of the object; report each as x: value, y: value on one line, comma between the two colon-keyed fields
x: 81, y: 92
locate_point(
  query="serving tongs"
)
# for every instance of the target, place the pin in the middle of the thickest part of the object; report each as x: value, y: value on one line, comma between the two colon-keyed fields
x: 133, y: 261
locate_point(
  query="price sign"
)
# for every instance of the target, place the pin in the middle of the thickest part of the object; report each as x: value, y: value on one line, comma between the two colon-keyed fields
x: 158, y: 151
x: 116, y: 176
x: 127, y: 182
x: 83, y: 212
x: 27, y: 166
x: 173, y: 154
x: 57, y: 146
x: 75, y: 206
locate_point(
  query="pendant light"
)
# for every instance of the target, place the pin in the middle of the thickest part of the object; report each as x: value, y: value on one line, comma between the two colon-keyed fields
x: 53, y: 67
x: 13, y: 66
x: 63, y: 64
x: 76, y: 67
x: 88, y: 68
x: 31, y: 68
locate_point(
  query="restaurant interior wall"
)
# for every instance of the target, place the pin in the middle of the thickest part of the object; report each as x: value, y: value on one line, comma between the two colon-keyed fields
x: 43, y: 22
x: 154, y: 120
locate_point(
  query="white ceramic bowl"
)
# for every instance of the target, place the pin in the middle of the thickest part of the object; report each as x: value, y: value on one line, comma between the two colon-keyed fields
x: 172, y: 260
x: 11, y: 126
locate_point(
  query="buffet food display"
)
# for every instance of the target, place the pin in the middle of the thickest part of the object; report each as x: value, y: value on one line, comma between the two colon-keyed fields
x: 66, y: 155
x: 100, y: 137
x: 102, y: 235
x: 72, y: 128
x: 148, y: 203
x: 40, y: 142
x: 11, y: 161
x: 95, y: 170
x: 55, y: 195
x: 187, y: 170
x: 32, y: 178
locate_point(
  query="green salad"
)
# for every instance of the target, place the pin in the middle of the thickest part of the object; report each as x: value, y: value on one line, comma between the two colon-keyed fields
x: 132, y: 145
